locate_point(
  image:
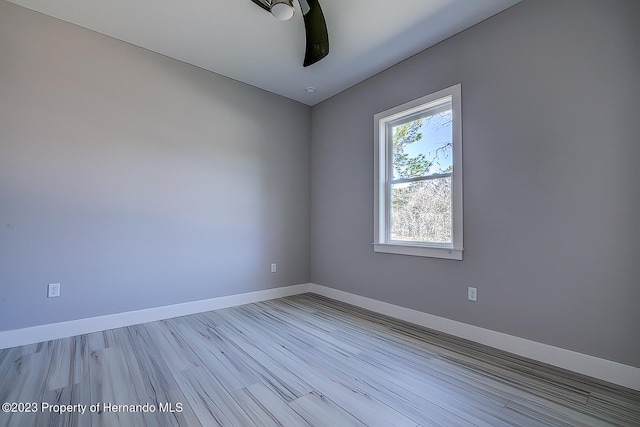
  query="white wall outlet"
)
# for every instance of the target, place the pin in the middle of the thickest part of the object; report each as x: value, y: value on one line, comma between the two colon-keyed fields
x: 274, y: 267
x: 472, y: 294
x: 53, y: 290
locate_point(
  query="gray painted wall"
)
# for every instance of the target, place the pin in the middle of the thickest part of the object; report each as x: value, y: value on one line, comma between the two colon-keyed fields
x: 136, y: 180
x: 550, y: 102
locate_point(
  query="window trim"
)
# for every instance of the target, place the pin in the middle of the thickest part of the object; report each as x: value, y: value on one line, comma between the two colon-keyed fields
x: 383, y: 175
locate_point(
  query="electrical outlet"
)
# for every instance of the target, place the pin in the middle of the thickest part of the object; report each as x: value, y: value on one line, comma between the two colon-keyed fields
x: 472, y: 294
x: 53, y: 290
x: 274, y: 267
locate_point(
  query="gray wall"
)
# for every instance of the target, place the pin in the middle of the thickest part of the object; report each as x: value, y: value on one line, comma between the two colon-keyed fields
x: 551, y: 96
x: 136, y: 180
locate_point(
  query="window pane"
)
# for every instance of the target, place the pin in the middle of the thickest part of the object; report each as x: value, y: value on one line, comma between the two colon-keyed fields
x: 423, y: 146
x: 421, y: 211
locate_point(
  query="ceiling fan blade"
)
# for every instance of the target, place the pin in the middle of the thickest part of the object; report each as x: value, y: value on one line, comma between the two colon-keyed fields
x: 315, y: 29
x: 263, y: 4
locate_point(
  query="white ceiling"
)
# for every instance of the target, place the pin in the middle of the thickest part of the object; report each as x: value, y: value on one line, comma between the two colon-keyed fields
x: 238, y: 39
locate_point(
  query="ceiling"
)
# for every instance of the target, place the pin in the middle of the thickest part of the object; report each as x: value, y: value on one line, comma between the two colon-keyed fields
x: 238, y: 39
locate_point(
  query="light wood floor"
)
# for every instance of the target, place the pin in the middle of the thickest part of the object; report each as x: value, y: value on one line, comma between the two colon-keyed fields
x: 298, y: 361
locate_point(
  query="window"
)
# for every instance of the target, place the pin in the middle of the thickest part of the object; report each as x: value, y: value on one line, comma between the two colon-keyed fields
x: 418, y: 176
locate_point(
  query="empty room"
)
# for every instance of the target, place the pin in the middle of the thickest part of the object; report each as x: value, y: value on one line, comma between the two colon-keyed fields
x: 319, y: 213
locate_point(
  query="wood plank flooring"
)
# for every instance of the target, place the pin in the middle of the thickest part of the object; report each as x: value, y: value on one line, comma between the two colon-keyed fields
x: 296, y: 361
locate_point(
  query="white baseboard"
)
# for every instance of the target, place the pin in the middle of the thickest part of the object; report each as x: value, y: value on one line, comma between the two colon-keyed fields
x: 35, y: 334
x: 613, y: 372
x: 606, y: 370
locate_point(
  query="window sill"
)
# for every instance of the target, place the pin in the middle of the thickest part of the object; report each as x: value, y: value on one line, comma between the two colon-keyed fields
x: 417, y: 250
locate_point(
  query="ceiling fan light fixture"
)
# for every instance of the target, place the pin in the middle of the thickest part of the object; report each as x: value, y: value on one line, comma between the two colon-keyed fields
x: 315, y: 27
x: 282, y: 9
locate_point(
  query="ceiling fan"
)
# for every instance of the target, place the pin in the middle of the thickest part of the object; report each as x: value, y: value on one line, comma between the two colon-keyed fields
x: 315, y: 27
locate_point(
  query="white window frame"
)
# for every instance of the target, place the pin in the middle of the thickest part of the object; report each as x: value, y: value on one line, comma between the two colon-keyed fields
x: 383, y: 174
